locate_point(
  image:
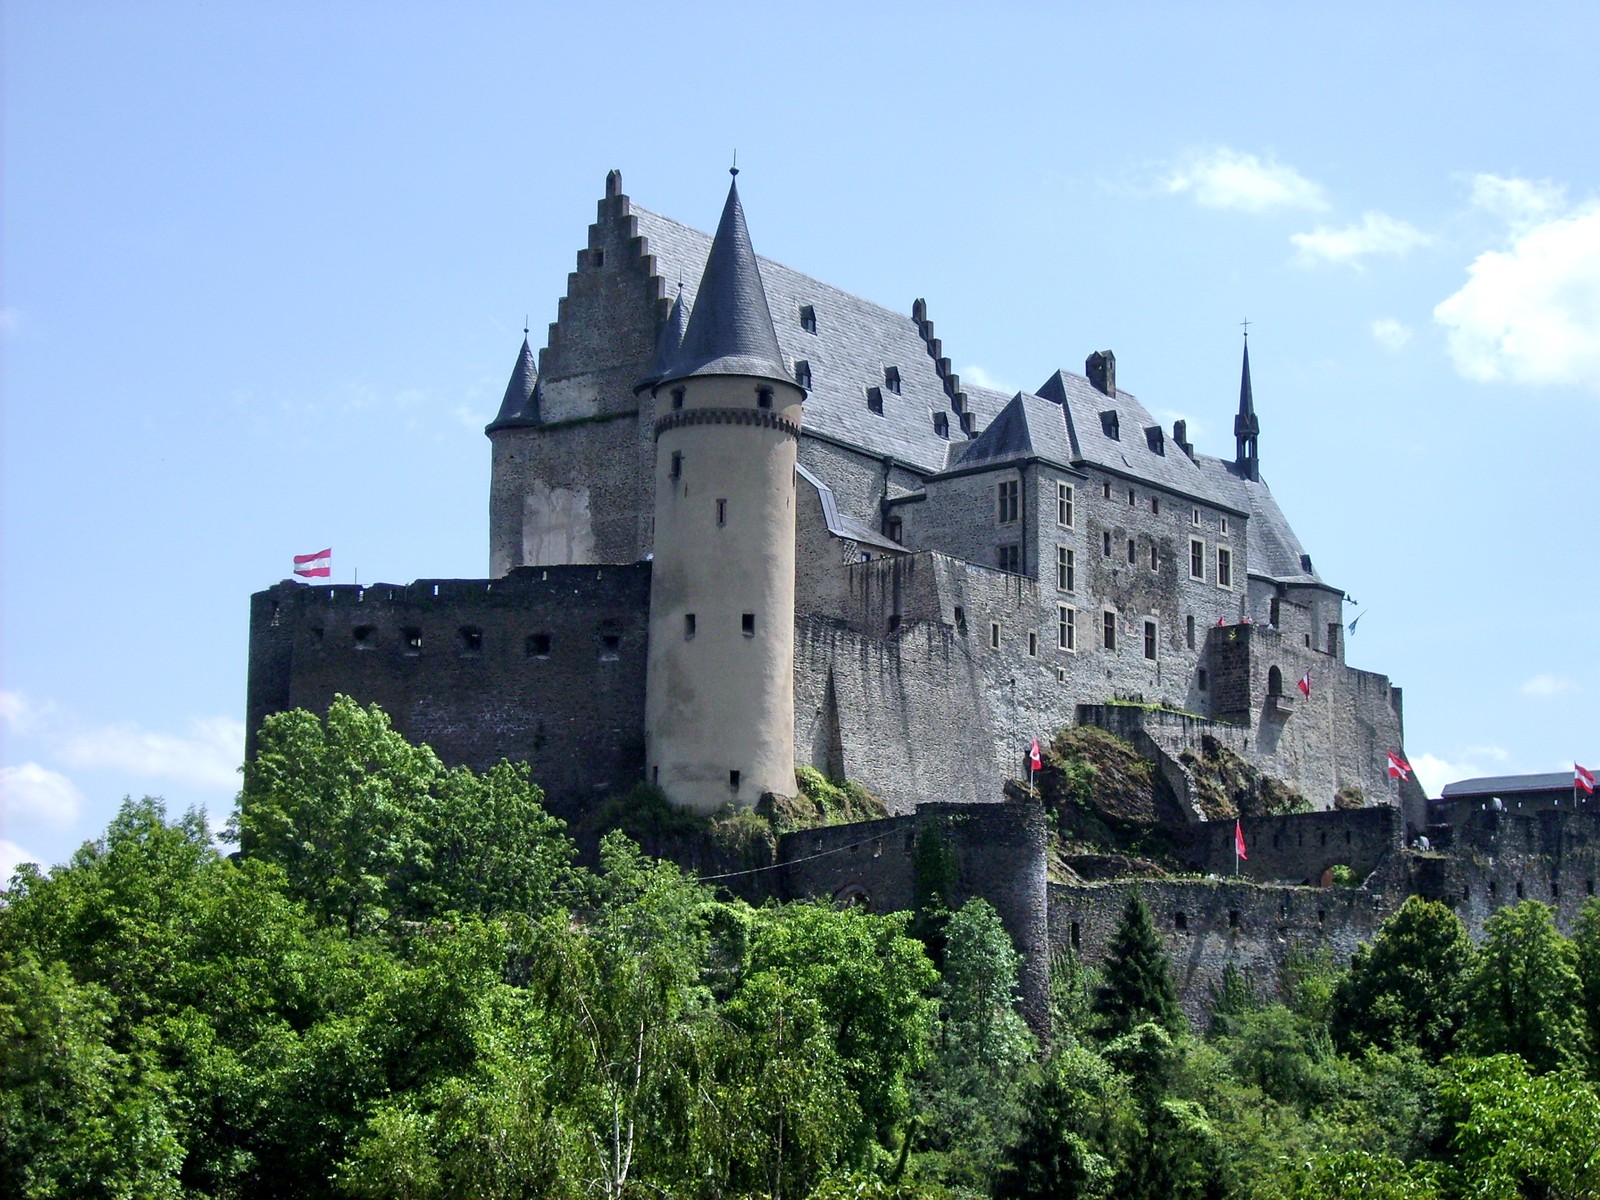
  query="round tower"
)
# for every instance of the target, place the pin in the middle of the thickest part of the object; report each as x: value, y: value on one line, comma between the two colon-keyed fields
x: 719, y: 687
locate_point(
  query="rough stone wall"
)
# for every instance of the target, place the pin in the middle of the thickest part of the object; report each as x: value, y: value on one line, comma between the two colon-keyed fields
x: 461, y: 665
x: 999, y: 851
x: 1205, y: 925
x: 1300, y: 847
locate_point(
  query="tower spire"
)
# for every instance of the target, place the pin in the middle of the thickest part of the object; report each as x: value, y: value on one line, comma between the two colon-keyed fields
x: 1246, y: 426
x: 520, y: 405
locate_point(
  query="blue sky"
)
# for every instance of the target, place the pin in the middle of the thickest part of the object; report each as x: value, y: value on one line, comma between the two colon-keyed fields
x: 265, y: 269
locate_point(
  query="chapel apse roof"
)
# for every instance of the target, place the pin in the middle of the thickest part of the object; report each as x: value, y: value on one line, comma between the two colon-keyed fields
x: 854, y: 343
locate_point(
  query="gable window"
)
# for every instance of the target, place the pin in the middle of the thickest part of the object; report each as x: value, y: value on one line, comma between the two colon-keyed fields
x: 1156, y: 441
x: 875, y: 399
x: 1108, y: 630
x: 1009, y: 494
x: 1224, y: 567
x: 1010, y: 559
x: 802, y: 373
x: 808, y: 318
x: 1064, y: 505
x: 1197, y: 559
x: 1150, y: 640
x: 891, y: 379
x: 1066, y: 627
x: 1066, y: 568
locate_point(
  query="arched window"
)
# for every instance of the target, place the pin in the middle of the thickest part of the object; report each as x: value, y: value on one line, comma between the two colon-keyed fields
x: 1274, y: 682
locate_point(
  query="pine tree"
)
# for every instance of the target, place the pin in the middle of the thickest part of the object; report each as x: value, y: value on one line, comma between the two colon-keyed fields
x: 1136, y: 981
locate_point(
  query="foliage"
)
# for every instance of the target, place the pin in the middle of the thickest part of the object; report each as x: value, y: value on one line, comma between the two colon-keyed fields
x: 1078, y: 1114
x: 935, y: 877
x: 1136, y: 982
x: 823, y: 801
x: 1586, y: 947
x: 1404, y: 987
x: 1342, y: 875
x: 1072, y: 990
x: 1523, y: 994
x: 1232, y: 999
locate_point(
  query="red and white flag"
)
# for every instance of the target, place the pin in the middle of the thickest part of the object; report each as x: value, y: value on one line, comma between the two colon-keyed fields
x: 1035, y: 759
x: 1238, y: 842
x: 1399, y: 768
x: 314, y: 566
x: 1305, y: 684
x: 1583, y: 779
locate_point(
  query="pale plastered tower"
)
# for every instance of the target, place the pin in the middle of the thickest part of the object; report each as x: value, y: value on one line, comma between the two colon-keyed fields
x: 719, y: 688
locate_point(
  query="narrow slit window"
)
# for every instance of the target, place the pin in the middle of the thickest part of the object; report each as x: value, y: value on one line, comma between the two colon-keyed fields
x: 1033, y: 644
x: 677, y: 464
x: 722, y: 512
x: 1108, y: 632
x: 1150, y: 640
x: 1188, y: 631
x: 1155, y: 557
x: 1105, y: 543
x: 747, y: 624
x: 994, y: 635
x: 1133, y: 551
x: 688, y: 626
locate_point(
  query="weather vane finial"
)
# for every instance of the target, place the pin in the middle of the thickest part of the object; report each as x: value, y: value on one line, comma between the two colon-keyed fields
x: 524, y: 324
x: 734, y: 170
x: 1246, y: 325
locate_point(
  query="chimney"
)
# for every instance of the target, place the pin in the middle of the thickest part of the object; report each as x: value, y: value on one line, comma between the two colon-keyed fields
x: 1180, y: 434
x: 1101, y: 368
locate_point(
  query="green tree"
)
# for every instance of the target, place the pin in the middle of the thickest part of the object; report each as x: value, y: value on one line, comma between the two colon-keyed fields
x: 1523, y: 993
x: 1136, y: 981
x: 1586, y: 943
x: 1404, y: 987
x: 1077, y: 1118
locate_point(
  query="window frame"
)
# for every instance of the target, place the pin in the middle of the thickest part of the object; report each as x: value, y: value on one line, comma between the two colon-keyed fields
x: 1108, y: 630
x: 1197, y: 554
x: 1008, y: 501
x: 1067, y: 628
x: 1225, y: 568
x: 1066, y: 500
x: 1066, y: 569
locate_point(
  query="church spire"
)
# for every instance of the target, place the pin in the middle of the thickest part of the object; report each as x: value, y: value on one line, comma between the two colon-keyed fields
x: 1246, y: 426
x: 730, y: 331
x: 521, y: 403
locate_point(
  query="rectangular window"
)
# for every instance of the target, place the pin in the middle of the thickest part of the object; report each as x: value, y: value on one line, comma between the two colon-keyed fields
x: 1223, y: 524
x: 1224, y: 567
x: 747, y: 623
x: 733, y: 780
x: 1194, y: 516
x: 1108, y: 632
x: 1105, y: 543
x: 1010, y: 559
x: 994, y: 635
x: 1064, y: 505
x: 894, y: 529
x: 1188, y: 631
x: 1131, y: 500
x: 1105, y: 488
x: 1133, y: 551
x: 1155, y: 505
x: 1066, y: 569
x: 1150, y: 640
x: 537, y: 645
x: 1010, y: 490
x: 1197, y: 559
x: 1033, y: 644
x: 808, y: 318
x: 1155, y: 557
x: 1066, y: 627
x: 677, y: 464
x: 722, y: 512
x: 688, y: 626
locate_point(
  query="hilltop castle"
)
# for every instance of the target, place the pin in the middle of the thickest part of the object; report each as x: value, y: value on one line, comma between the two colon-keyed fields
x: 754, y: 520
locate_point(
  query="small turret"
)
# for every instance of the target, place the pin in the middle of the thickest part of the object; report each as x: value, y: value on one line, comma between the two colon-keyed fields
x: 521, y: 403
x: 1246, y: 427
x: 667, y: 347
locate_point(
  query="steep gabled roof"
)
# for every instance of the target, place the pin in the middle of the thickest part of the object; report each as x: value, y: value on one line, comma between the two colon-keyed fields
x: 521, y: 403
x: 1028, y: 426
x: 730, y: 329
x: 1274, y: 551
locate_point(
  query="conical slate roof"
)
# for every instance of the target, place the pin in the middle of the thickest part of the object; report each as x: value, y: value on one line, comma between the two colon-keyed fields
x: 1246, y: 423
x: 669, y: 345
x: 521, y: 403
x: 730, y: 331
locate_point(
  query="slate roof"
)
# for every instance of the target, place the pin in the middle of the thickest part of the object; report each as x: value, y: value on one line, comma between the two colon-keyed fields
x: 1274, y: 551
x: 521, y: 403
x: 1130, y: 453
x: 841, y: 524
x: 853, y: 343
x: 1028, y: 425
x: 668, y: 345
x: 1507, y: 785
x: 730, y: 326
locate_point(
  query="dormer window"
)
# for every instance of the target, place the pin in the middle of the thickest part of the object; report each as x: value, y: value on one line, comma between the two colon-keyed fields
x: 891, y: 379
x: 875, y: 400
x: 1157, y: 441
x: 802, y: 373
x: 808, y: 318
x: 1109, y: 423
x: 941, y: 424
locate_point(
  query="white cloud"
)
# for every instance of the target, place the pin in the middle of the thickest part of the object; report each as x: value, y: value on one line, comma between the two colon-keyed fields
x: 1376, y: 233
x: 208, y: 757
x: 13, y: 708
x: 1530, y: 313
x: 978, y: 377
x: 1224, y: 178
x: 1520, y: 202
x: 1474, y: 762
x: 35, y: 793
x: 1390, y: 333
x: 1547, y: 685
x: 13, y: 856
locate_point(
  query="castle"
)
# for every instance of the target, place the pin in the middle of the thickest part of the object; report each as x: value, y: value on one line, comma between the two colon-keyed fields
x: 741, y: 520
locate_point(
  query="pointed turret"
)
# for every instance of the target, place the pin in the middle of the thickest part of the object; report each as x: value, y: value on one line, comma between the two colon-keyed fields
x: 1246, y: 427
x: 730, y: 331
x: 669, y: 345
x: 521, y: 403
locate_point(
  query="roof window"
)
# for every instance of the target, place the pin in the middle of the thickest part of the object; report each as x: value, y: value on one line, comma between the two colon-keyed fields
x: 1109, y: 423
x: 1157, y: 440
x: 875, y: 399
x: 802, y: 373
x: 808, y: 318
x: 891, y: 379
x: 941, y: 424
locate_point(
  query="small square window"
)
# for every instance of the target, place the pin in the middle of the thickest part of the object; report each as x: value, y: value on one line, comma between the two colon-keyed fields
x: 1064, y: 500
x: 994, y: 635
x: 610, y: 647
x: 1150, y: 640
x: 364, y: 636
x: 891, y: 379
x: 537, y: 645
x: 471, y: 639
x: 875, y: 400
x: 747, y: 624
x: 808, y: 318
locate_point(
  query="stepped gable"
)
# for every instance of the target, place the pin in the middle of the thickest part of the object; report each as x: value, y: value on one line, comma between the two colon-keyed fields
x: 668, y: 347
x: 521, y: 403
x: 855, y: 340
x: 1275, y: 553
x: 1027, y: 427
x: 730, y: 328
x: 1131, y: 452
